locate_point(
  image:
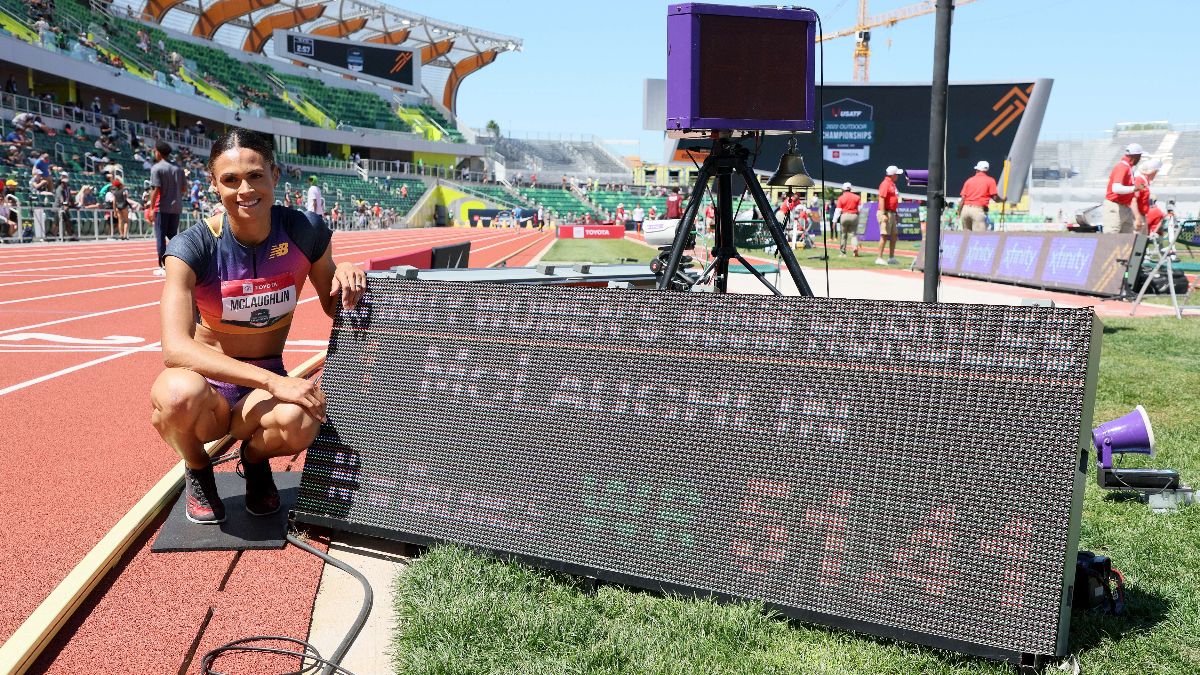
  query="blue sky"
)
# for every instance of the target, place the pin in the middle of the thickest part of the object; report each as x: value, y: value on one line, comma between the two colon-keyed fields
x: 583, y: 64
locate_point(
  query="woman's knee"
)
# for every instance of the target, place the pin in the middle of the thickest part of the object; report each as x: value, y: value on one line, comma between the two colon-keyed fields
x: 295, y: 427
x: 180, y: 397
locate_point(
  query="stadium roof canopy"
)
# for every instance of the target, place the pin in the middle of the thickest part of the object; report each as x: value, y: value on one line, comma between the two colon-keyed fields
x: 449, y: 51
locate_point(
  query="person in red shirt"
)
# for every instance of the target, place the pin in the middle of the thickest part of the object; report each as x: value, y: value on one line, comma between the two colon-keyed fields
x: 1118, y: 214
x: 889, y: 203
x: 1154, y: 218
x: 847, y: 216
x: 619, y: 214
x: 1146, y: 172
x: 710, y: 216
x: 674, y: 204
x: 977, y: 192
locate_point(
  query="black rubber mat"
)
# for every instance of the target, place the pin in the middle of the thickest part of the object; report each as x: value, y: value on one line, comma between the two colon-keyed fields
x: 240, y: 531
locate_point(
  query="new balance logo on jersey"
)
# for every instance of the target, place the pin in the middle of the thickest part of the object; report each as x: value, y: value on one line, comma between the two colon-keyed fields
x: 279, y: 250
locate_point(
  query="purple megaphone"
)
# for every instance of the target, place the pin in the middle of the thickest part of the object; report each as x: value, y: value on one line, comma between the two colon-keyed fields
x: 1130, y: 433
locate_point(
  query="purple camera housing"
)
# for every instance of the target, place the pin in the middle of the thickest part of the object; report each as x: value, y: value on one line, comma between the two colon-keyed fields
x: 740, y: 68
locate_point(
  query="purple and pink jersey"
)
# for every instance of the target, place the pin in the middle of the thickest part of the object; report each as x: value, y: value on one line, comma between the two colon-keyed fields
x: 250, y: 289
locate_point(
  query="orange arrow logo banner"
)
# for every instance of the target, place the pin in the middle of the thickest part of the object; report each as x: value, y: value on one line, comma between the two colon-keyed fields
x: 1013, y: 104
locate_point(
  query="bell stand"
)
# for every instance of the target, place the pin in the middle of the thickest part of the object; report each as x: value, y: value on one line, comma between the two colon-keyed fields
x: 726, y: 158
x: 1167, y: 253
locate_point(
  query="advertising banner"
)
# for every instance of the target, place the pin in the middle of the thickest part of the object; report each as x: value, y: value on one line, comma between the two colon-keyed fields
x: 1085, y: 263
x: 908, y: 215
x: 594, y: 231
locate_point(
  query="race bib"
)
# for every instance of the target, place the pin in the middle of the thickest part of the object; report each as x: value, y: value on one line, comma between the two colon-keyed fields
x: 258, y: 303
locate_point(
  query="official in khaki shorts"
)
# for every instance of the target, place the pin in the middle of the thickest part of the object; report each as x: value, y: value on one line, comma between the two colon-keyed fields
x: 847, y: 216
x: 1118, y: 198
x: 976, y: 193
x: 889, y: 202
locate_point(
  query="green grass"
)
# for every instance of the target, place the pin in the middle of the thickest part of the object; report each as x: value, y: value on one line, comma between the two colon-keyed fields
x: 601, y: 251
x: 462, y: 612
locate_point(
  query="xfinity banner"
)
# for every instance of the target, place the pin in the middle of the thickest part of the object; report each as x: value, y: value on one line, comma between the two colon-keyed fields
x: 385, y: 64
x: 1085, y: 263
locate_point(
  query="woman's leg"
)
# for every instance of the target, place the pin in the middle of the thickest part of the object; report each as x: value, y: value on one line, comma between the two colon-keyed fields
x: 188, y: 413
x: 270, y: 427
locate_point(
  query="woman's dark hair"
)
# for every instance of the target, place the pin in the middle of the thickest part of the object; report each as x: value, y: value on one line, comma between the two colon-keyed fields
x: 237, y: 137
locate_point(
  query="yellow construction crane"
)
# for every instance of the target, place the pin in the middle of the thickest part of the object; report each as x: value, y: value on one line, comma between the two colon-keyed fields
x: 862, y: 32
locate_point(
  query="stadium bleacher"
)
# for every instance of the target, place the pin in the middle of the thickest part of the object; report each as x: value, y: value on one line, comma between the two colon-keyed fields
x: 559, y: 202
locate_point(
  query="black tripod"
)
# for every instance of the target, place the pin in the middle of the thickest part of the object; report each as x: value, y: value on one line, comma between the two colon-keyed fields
x: 727, y: 157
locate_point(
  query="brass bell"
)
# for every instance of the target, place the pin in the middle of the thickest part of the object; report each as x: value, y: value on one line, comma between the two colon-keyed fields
x: 791, y: 171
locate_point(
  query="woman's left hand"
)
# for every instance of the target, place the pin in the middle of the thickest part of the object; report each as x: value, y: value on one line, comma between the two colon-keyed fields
x: 351, y: 282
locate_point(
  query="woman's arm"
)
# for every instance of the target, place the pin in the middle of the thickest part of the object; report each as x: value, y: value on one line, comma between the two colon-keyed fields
x: 180, y: 349
x: 330, y: 280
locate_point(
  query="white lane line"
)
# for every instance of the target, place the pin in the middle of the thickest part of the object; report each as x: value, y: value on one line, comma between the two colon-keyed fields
x: 49, y: 279
x: 108, y: 256
x: 79, y: 318
x: 67, y: 371
x: 107, y: 341
x: 89, y: 290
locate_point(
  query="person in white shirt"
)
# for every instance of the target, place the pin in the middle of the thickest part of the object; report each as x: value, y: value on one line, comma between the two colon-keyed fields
x: 639, y: 215
x: 315, y: 202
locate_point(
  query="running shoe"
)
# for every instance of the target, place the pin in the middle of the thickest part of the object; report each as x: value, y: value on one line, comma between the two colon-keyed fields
x: 262, y: 497
x: 880, y: 261
x: 893, y: 261
x: 203, y: 504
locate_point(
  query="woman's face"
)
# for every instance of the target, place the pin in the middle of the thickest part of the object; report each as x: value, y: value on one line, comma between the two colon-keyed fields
x: 245, y: 183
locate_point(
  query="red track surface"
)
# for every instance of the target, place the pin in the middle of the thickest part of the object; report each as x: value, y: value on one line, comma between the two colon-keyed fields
x: 78, y: 451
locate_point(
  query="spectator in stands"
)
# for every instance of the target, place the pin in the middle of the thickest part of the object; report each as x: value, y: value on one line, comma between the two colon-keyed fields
x: 404, y: 191
x: 41, y: 165
x: 86, y: 199
x: 64, y: 201
x: 977, y: 192
x: 10, y: 87
x: 1118, y: 214
x: 22, y: 120
x: 41, y: 184
x: 167, y: 187
x: 652, y: 214
x: 639, y: 216
x: 619, y: 215
x: 114, y: 108
x: 314, y: 203
x: 9, y: 218
x: 846, y: 215
x: 335, y: 215
x: 1146, y: 172
x: 889, y: 202
x: 16, y: 137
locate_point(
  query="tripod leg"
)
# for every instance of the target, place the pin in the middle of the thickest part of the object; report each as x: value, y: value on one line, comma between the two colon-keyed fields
x: 781, y: 243
x: 1146, y: 284
x: 1171, y: 285
x: 758, y: 275
x: 685, y: 223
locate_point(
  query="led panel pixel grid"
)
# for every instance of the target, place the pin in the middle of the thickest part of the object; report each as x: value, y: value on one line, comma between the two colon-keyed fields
x: 904, y: 469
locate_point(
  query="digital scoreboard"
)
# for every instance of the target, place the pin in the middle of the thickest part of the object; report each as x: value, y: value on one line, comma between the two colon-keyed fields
x: 385, y: 64
x: 904, y: 469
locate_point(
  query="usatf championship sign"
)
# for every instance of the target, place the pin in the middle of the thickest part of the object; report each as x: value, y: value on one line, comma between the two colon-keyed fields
x: 1086, y: 263
x: 904, y: 469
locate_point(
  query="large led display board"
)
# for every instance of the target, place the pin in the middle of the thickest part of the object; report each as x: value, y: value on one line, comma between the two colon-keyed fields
x: 385, y: 64
x: 903, y: 469
x: 1084, y: 263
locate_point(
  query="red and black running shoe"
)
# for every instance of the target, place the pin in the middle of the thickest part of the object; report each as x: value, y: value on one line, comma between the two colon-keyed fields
x: 203, y: 504
x: 262, y: 497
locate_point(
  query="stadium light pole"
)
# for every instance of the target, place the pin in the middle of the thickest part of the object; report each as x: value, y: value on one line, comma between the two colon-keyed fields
x: 936, y: 191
